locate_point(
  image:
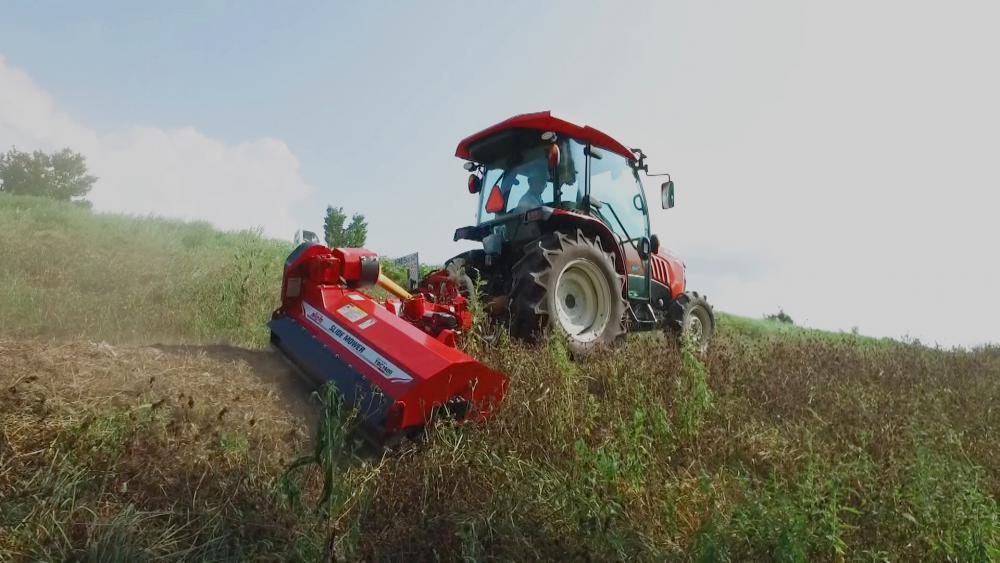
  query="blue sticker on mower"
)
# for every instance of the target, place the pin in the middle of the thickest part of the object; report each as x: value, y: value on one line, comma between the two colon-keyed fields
x: 321, y: 365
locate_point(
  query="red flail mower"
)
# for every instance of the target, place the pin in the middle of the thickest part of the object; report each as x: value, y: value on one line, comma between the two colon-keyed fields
x: 396, y: 363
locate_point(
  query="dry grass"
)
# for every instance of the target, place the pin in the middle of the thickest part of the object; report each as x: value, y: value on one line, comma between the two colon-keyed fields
x: 830, y: 452
x: 172, y: 448
x: 779, y: 444
x: 816, y: 450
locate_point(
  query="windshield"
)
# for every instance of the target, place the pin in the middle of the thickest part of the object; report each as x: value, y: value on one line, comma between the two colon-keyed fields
x: 617, y: 194
x: 523, y: 181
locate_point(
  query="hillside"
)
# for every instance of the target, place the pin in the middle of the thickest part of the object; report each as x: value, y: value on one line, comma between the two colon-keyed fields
x: 143, y: 417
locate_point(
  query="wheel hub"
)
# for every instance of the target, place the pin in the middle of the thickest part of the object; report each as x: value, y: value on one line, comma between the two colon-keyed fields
x: 583, y: 300
x: 695, y: 329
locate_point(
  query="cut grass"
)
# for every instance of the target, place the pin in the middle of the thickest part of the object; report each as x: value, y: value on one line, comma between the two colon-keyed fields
x: 781, y: 443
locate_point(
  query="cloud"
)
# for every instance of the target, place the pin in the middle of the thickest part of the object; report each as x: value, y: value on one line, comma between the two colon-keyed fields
x: 851, y: 182
x: 180, y: 173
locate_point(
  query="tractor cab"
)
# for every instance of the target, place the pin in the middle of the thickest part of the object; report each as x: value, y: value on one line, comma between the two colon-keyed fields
x: 548, y: 187
x: 516, y: 171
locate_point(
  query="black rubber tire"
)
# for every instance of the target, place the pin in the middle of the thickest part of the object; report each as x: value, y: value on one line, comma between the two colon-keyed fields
x: 473, y: 261
x: 469, y: 273
x: 689, y: 312
x: 533, y: 307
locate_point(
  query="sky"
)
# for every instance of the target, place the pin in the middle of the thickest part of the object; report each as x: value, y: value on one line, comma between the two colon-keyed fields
x: 833, y: 159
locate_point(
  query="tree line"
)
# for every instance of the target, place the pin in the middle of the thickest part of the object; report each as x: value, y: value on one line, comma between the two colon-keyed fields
x: 63, y: 175
x: 60, y: 175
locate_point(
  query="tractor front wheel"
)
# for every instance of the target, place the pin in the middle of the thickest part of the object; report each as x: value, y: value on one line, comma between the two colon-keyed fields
x: 567, y: 283
x: 692, y: 317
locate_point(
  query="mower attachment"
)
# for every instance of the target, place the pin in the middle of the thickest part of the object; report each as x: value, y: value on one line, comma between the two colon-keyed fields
x: 395, y: 364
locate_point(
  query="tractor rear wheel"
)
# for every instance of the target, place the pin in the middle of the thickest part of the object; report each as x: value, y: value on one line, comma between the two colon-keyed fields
x: 691, y: 316
x: 567, y: 283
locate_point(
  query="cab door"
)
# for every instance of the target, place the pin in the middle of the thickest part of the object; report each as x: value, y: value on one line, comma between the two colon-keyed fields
x: 617, y: 199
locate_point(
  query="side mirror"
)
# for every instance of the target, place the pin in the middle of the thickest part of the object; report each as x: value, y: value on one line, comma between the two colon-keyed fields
x: 654, y: 244
x: 644, y: 246
x: 667, y: 194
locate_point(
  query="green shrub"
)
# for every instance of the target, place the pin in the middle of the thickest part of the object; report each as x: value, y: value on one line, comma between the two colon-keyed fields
x: 781, y: 316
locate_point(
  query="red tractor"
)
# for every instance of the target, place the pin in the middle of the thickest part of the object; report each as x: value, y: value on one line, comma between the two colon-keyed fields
x: 564, y: 225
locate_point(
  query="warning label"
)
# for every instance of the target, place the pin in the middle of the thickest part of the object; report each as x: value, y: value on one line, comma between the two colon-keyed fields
x: 352, y: 312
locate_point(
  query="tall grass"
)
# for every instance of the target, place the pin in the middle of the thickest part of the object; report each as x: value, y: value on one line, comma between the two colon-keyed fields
x: 69, y: 272
x: 783, y: 444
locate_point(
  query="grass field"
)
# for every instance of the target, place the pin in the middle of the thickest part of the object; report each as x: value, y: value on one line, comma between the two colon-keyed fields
x: 142, y: 418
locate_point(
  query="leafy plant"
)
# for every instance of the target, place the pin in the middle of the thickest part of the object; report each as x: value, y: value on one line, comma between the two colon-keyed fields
x: 331, y: 442
x: 694, y: 397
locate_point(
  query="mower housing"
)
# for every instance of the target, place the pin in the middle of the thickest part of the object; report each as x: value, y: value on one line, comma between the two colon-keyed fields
x: 397, y: 371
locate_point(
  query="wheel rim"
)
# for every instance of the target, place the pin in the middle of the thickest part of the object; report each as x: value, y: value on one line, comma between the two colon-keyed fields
x: 583, y: 302
x: 696, y: 328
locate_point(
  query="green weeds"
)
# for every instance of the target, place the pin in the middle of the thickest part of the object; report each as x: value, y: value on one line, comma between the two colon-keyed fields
x: 694, y: 395
x: 780, y: 443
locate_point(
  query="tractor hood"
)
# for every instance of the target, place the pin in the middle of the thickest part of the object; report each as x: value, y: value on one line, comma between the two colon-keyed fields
x: 543, y: 121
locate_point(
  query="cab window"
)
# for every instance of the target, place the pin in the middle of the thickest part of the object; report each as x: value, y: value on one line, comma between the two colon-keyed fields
x: 616, y: 196
x: 523, y: 180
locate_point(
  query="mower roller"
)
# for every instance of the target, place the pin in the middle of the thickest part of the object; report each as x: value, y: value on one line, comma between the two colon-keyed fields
x: 396, y: 363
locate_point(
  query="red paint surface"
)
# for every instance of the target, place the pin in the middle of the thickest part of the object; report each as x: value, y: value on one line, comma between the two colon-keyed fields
x: 544, y: 121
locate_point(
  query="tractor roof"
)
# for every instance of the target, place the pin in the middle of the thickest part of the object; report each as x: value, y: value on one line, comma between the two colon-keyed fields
x: 544, y: 121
